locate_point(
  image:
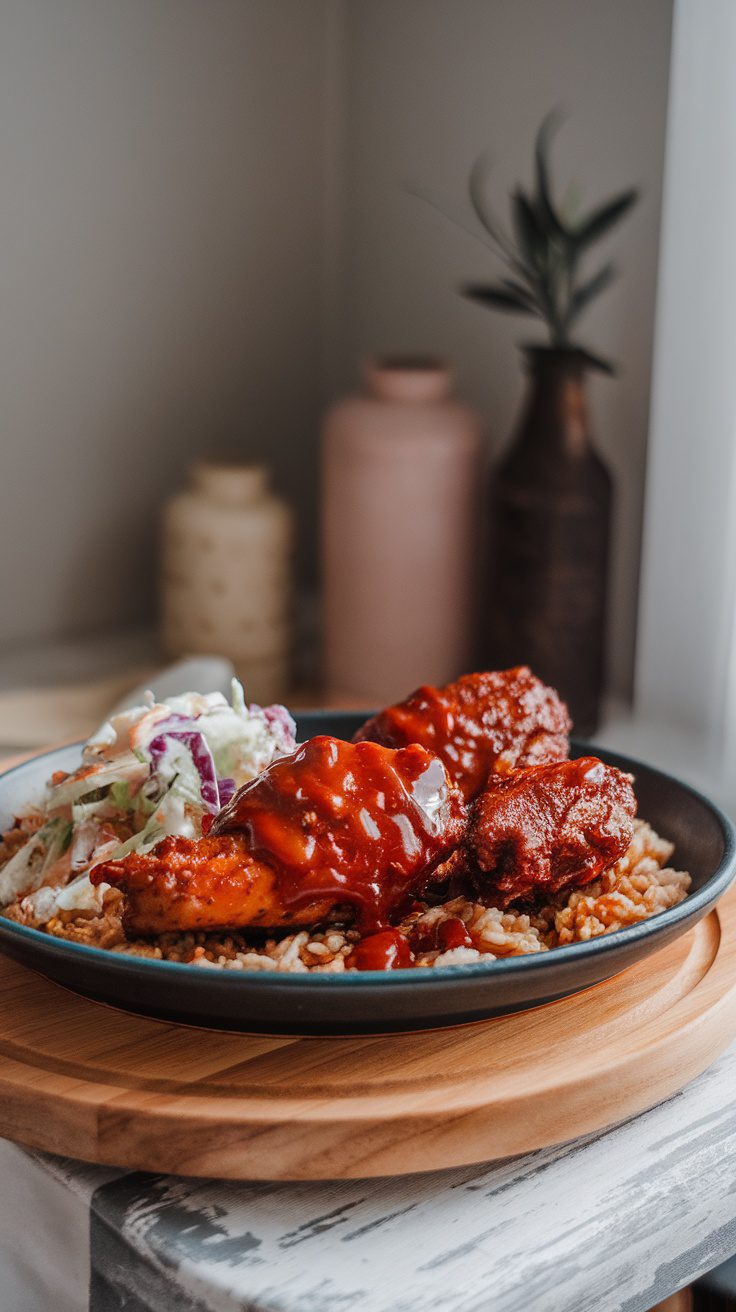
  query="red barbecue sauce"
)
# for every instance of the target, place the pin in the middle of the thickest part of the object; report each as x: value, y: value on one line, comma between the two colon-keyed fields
x: 387, y: 950
x: 353, y: 823
x: 482, y: 724
x: 442, y: 936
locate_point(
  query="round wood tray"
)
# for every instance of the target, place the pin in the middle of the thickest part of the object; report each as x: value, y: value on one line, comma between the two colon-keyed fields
x: 87, y: 1081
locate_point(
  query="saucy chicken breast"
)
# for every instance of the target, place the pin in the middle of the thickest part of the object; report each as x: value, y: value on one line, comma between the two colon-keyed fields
x: 480, y: 725
x: 334, y: 824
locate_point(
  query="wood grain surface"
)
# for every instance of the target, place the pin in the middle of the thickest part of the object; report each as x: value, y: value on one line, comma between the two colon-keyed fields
x: 87, y: 1081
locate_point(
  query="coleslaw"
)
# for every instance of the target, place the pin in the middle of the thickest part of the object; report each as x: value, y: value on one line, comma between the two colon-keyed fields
x: 155, y: 770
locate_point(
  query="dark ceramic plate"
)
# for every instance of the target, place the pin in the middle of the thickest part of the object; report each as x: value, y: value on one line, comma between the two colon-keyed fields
x: 376, y: 1002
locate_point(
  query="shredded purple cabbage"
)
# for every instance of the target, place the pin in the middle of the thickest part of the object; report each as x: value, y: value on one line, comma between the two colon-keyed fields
x: 278, y: 719
x: 200, y: 752
x: 216, y: 793
x: 226, y: 789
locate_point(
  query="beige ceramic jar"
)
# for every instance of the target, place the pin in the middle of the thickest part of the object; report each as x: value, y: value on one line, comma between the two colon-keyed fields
x: 226, y: 589
x: 401, y: 496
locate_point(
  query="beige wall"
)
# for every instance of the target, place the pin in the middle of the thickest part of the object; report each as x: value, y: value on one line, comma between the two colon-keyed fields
x: 160, y: 230
x: 204, y: 223
x: 429, y: 84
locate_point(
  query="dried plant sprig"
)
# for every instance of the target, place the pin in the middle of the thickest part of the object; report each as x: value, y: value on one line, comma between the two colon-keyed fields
x: 544, y: 249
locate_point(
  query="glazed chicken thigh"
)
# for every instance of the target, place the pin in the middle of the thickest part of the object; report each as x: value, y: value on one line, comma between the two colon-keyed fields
x: 549, y: 827
x: 480, y: 725
x: 335, y: 824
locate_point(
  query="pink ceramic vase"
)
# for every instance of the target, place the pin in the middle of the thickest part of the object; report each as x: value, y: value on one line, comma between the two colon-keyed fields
x: 402, y: 480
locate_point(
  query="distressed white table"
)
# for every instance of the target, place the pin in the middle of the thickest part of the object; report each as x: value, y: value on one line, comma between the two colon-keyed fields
x: 612, y: 1223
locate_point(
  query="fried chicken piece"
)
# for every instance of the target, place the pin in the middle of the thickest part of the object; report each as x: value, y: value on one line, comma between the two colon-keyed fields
x: 549, y: 827
x: 190, y: 884
x: 335, y: 824
x: 481, y: 725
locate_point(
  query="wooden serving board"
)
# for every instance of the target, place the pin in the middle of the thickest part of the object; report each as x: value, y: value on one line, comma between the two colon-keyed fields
x: 87, y: 1081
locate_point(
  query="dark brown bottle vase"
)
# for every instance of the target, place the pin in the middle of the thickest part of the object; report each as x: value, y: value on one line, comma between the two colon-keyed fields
x: 550, y: 529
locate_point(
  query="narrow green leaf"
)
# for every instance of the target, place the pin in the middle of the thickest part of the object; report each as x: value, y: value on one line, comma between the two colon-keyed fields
x: 523, y: 293
x: 529, y: 233
x: 584, y: 294
x: 476, y: 189
x: 500, y: 299
x: 604, y: 218
x: 495, y: 244
x: 595, y: 361
x: 453, y: 216
x: 544, y: 203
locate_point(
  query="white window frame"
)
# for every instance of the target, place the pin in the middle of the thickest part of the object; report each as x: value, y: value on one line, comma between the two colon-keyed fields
x: 686, y: 644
